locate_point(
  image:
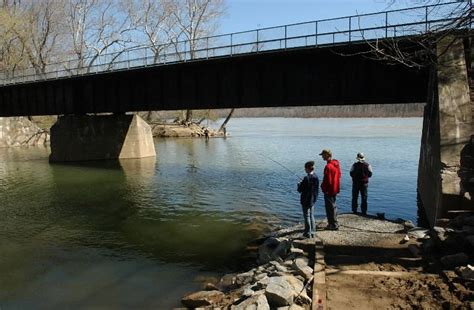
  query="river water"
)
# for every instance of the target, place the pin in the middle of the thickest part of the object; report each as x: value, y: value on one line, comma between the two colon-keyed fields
x: 141, y: 233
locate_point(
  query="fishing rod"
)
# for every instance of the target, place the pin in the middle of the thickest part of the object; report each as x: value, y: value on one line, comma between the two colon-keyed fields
x: 281, y: 165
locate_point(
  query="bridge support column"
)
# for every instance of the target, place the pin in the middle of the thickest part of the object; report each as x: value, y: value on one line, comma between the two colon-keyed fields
x: 78, y: 138
x: 447, y: 128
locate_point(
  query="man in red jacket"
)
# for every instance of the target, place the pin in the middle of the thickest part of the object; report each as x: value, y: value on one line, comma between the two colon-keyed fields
x: 330, y: 187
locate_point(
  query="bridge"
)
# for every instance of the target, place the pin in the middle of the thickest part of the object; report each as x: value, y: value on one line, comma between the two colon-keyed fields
x: 324, y: 62
x: 290, y: 65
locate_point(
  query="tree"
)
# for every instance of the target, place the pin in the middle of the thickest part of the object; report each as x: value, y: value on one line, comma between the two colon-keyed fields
x: 11, y: 52
x: 40, y: 32
x: 94, y: 28
x: 195, y: 20
x: 153, y: 22
x: 419, y: 50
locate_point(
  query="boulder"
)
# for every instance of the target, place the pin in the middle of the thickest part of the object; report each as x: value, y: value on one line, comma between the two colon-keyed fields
x: 283, y: 248
x: 417, y: 232
x: 227, y: 282
x: 296, y: 251
x: 408, y: 225
x: 278, y: 266
x: 244, y: 278
x: 273, y: 249
x: 466, y: 272
x: 256, y: 302
x: 451, y: 261
x: 301, y: 267
x: 210, y: 287
x: 279, y: 292
x: 202, y: 299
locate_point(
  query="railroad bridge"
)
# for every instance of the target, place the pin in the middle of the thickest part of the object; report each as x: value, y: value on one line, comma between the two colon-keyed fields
x: 324, y: 62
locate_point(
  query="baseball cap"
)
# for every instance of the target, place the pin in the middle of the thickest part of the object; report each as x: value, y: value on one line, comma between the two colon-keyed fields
x: 326, y: 151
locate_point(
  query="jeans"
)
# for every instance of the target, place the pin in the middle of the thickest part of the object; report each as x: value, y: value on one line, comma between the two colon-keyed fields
x: 331, y: 210
x: 308, y: 220
x: 362, y: 188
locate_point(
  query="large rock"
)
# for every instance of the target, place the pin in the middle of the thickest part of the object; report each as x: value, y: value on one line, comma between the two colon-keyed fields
x: 19, y: 131
x: 256, y: 302
x: 301, y: 266
x: 281, y: 291
x: 244, y: 278
x: 418, y: 233
x: 467, y: 272
x: 273, y: 249
x: 202, y: 299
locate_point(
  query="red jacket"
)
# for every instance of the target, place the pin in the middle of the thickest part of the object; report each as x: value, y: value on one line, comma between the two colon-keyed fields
x: 332, y: 178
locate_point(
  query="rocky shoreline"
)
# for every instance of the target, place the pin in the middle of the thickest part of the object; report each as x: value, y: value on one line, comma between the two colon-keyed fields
x: 281, y: 280
x: 370, y: 263
x: 184, y: 130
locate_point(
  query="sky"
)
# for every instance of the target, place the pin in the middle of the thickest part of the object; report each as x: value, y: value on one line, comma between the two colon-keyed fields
x: 251, y: 14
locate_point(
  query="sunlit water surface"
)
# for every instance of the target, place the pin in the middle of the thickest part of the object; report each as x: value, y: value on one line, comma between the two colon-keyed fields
x: 141, y: 233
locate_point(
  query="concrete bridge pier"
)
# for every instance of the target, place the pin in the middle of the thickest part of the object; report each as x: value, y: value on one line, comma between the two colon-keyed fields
x: 94, y: 137
x: 443, y: 178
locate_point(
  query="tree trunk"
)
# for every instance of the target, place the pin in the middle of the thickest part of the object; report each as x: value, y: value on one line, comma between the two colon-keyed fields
x: 227, y: 119
x: 189, y: 116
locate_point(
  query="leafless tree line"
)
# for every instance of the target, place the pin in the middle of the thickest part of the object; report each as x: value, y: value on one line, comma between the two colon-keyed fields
x: 79, y: 33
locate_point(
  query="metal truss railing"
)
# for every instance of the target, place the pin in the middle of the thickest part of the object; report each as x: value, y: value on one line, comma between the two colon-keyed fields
x: 325, y: 32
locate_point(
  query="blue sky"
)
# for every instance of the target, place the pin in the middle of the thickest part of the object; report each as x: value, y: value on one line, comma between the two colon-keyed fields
x: 251, y: 14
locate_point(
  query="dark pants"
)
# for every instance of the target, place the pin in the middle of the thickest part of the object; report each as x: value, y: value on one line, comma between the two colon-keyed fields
x: 331, y: 209
x: 362, y: 188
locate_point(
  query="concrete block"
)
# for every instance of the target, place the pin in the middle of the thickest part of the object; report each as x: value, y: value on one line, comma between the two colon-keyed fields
x: 91, y: 137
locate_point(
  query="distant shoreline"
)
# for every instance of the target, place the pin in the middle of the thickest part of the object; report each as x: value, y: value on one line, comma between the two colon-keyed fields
x: 348, y: 111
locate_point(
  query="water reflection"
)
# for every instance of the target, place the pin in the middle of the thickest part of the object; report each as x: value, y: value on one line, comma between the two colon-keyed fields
x: 135, y: 233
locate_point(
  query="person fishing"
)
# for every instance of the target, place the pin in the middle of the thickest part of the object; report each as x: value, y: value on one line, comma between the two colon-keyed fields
x: 360, y: 172
x: 330, y: 187
x: 309, y: 189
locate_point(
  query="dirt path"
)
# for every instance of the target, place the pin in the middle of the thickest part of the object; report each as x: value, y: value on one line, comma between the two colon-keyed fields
x: 368, y: 268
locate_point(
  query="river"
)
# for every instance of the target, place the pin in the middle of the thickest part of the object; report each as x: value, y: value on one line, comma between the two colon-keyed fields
x: 141, y: 233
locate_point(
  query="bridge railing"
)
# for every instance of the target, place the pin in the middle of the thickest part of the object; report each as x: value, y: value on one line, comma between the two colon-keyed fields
x: 325, y: 32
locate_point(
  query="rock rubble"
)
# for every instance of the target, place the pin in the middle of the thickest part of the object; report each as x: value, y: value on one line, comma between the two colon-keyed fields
x: 281, y: 280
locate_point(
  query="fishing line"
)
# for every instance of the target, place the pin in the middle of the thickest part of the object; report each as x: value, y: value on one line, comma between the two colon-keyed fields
x: 280, y: 164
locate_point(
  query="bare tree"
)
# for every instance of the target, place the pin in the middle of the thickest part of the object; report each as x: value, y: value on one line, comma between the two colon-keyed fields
x: 415, y: 46
x: 40, y: 32
x: 96, y: 27
x: 153, y: 21
x: 195, y: 20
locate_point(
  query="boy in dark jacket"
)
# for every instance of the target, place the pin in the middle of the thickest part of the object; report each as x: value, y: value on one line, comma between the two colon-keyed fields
x: 330, y: 187
x: 361, y: 171
x: 309, y: 189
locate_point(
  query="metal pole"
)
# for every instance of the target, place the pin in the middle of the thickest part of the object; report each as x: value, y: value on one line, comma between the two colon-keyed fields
x: 207, y: 47
x: 257, y: 40
x: 426, y: 19
x: 350, y: 28
x: 386, y: 24
x: 316, y: 34
x: 231, y: 45
x: 286, y: 32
